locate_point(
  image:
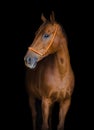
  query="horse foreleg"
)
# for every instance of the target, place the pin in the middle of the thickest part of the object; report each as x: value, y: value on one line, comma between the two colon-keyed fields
x: 50, y: 118
x: 64, y: 106
x: 33, y: 111
x: 46, y: 103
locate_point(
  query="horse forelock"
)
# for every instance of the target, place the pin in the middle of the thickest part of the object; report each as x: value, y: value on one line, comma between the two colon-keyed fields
x: 41, y: 27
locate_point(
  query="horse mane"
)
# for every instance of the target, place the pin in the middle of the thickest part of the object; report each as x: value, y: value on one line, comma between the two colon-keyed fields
x: 64, y: 32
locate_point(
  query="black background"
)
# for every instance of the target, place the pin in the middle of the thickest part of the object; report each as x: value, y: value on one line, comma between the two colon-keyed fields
x: 23, y: 20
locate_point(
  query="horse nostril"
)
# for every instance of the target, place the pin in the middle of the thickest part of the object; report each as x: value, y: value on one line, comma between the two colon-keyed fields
x: 28, y: 60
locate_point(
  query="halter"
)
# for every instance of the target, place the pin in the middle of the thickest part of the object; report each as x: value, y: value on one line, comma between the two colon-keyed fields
x: 41, y: 54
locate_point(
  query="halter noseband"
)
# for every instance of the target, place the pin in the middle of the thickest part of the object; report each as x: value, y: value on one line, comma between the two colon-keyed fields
x: 41, y: 54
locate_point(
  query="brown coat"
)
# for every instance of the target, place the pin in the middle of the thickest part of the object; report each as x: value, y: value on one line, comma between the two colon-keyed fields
x: 52, y: 78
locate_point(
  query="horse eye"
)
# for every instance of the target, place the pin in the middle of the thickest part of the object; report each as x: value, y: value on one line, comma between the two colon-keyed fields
x: 45, y: 36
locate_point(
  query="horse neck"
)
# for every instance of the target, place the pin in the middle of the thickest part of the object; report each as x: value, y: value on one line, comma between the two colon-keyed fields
x: 62, y: 57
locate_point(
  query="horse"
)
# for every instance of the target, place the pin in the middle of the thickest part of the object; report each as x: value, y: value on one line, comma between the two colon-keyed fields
x: 49, y: 75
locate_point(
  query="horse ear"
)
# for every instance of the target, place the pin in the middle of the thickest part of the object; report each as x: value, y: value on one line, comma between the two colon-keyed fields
x: 43, y: 18
x: 52, y: 17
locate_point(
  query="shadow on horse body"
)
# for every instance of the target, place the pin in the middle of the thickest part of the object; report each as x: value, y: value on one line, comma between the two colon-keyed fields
x: 49, y: 74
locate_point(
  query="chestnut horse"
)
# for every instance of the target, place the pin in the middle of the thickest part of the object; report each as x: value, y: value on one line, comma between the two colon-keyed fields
x: 49, y: 76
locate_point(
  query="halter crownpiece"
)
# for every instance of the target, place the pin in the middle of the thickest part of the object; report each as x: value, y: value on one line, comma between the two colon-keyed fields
x: 41, y: 54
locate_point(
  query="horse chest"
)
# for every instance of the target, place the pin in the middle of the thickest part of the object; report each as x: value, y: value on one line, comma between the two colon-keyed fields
x: 48, y: 83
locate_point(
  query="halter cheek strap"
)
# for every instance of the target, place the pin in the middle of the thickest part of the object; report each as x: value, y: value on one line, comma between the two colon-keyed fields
x: 41, y: 54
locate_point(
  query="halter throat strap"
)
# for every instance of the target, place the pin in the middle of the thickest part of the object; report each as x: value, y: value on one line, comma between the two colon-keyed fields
x: 41, y: 54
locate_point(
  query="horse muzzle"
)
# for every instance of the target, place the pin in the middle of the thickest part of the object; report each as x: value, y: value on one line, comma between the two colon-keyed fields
x: 30, y: 62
